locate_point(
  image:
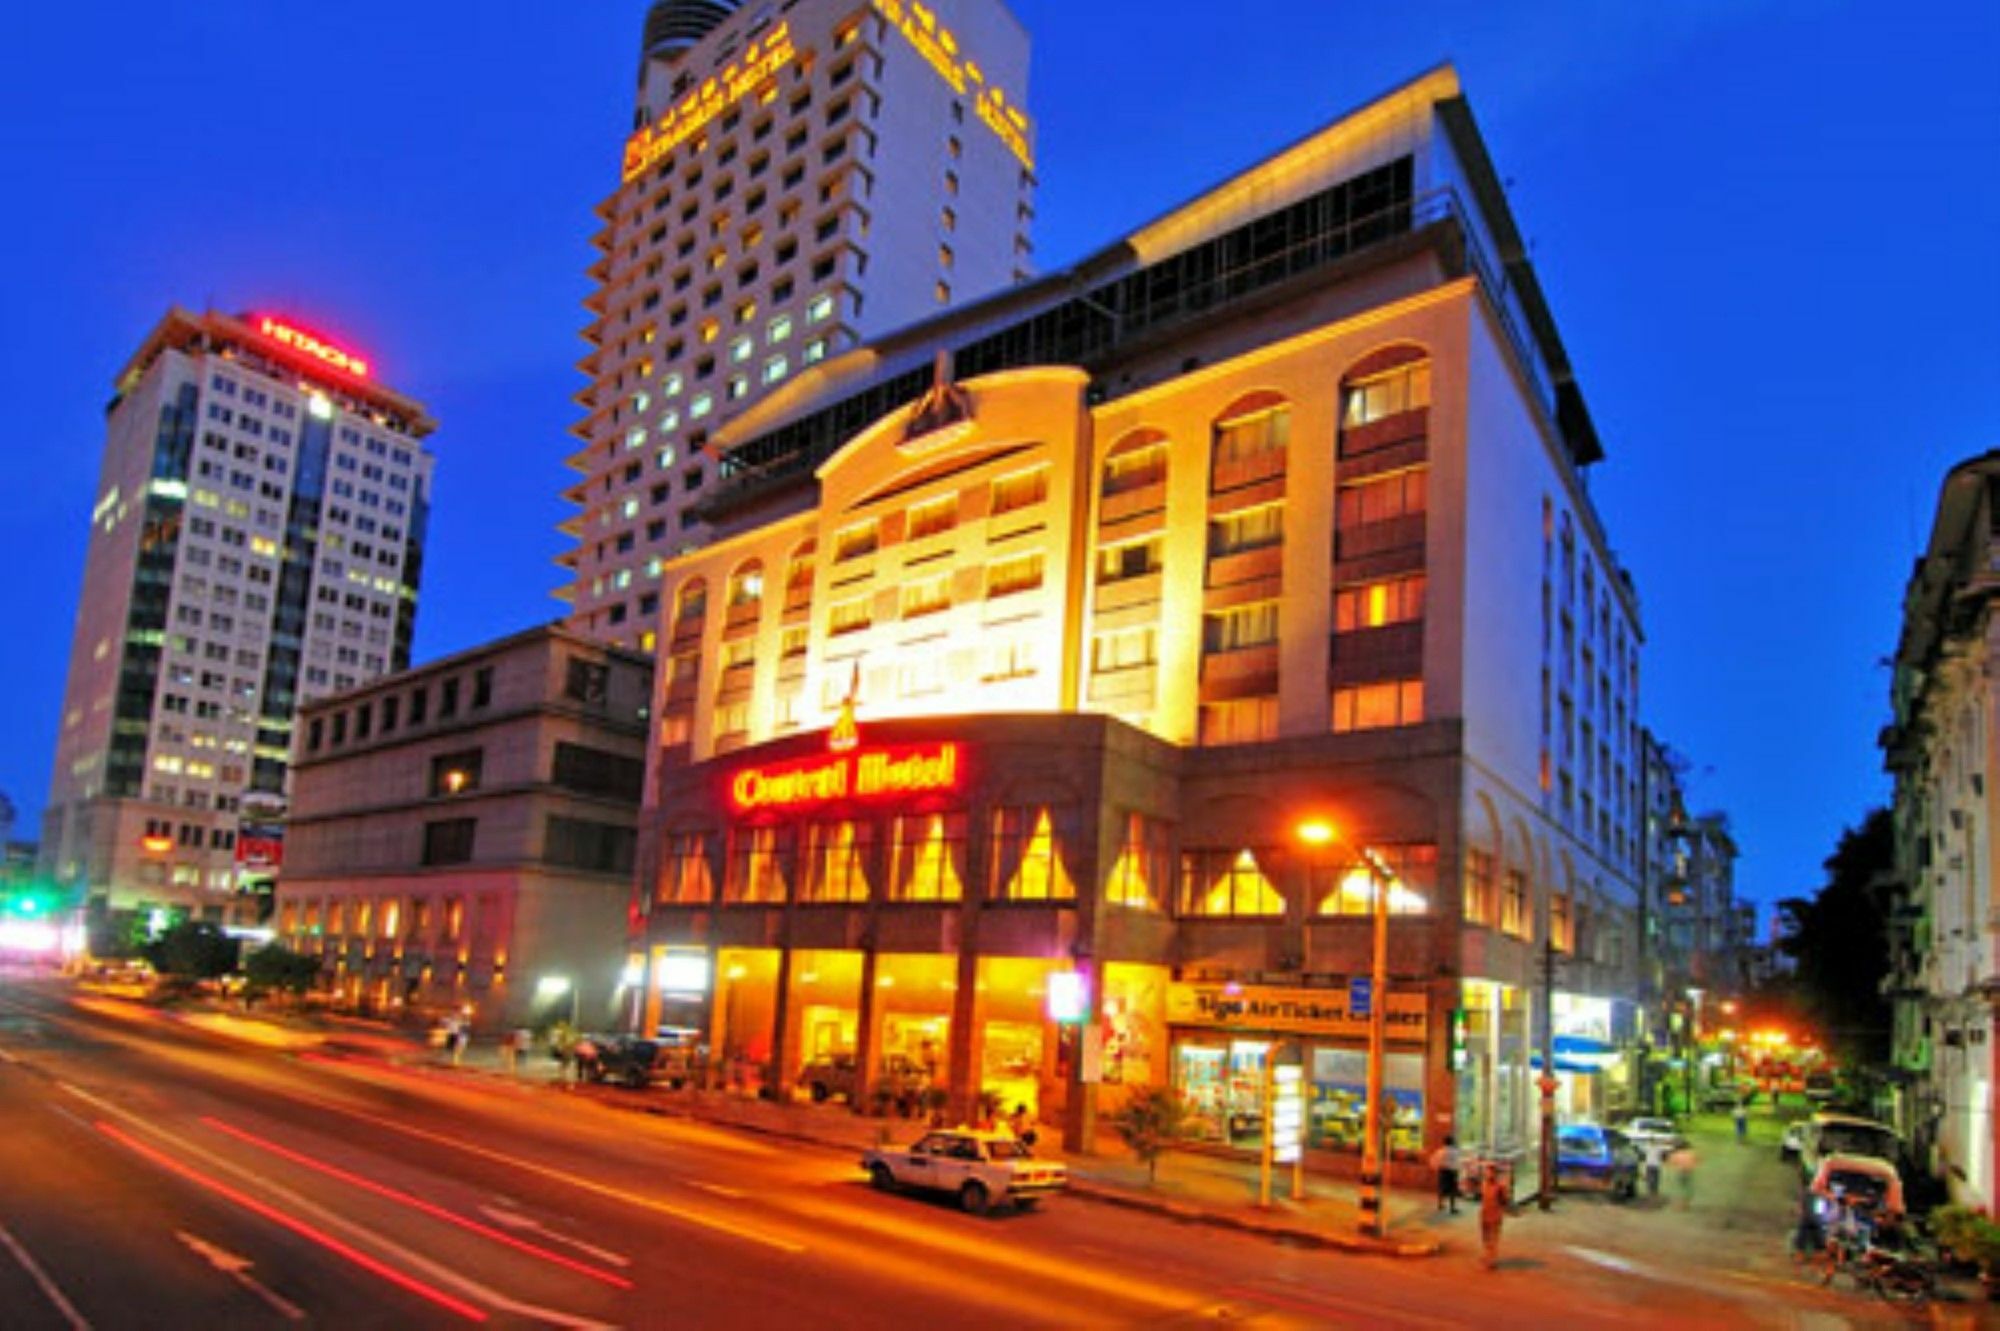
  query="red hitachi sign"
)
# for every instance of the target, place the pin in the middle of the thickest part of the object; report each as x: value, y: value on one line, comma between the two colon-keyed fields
x: 307, y: 344
x: 859, y: 774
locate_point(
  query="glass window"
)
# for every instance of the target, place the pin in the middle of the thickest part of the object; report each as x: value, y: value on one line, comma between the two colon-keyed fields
x: 835, y: 861
x: 1130, y: 559
x: 1228, y: 883
x: 1134, y: 468
x: 1125, y: 649
x: 932, y: 517
x: 1347, y: 888
x: 1020, y: 490
x: 1248, y: 529
x: 1253, y: 435
x: 1514, y: 903
x: 685, y: 875
x: 1381, y: 498
x: 1027, y: 863
x: 1020, y: 573
x: 856, y: 541
x: 1392, y: 702
x: 1405, y: 388
x: 1140, y: 875
x: 1373, y: 605
x: 1481, y: 904
x: 1241, y: 627
x: 1240, y: 721
x: 927, y: 857
x: 756, y: 865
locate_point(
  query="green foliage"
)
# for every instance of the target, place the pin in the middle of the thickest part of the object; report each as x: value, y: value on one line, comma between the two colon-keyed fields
x: 1148, y: 1122
x: 1968, y: 1235
x: 193, y: 950
x: 1839, y: 942
x: 275, y: 968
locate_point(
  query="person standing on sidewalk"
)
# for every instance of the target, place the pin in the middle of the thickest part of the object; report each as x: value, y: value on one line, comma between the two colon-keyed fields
x: 1492, y: 1211
x: 1655, y: 1153
x: 1682, y: 1162
x: 1742, y: 1123
x: 1445, y: 1161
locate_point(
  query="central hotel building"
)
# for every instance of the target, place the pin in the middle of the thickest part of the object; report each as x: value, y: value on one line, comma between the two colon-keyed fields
x: 1031, y: 637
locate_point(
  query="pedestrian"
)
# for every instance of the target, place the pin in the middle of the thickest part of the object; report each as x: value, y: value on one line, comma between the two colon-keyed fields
x: 509, y: 1050
x: 1742, y: 1123
x: 1492, y: 1210
x: 1022, y: 1124
x: 1682, y: 1163
x: 461, y: 1035
x: 585, y: 1053
x: 1655, y: 1153
x: 1445, y: 1161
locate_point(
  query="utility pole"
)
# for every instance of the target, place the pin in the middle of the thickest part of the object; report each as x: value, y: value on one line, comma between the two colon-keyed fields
x: 1548, y: 1083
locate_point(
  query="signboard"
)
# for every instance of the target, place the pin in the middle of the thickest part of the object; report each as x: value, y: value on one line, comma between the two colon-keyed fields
x: 858, y: 774
x: 1250, y: 1007
x: 1359, y: 991
x: 938, y: 45
x: 1288, y: 1112
x: 759, y: 63
x: 307, y: 344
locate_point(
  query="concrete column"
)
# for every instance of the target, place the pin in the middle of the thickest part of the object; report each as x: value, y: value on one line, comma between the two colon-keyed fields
x: 774, y: 1085
x: 964, y: 1013
x: 867, y: 1035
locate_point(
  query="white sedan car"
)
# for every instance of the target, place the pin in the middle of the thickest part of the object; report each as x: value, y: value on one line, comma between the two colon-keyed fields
x: 981, y: 1169
x: 1644, y: 1132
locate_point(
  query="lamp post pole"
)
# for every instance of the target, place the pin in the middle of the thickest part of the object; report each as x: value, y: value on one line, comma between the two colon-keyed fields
x: 1372, y: 1121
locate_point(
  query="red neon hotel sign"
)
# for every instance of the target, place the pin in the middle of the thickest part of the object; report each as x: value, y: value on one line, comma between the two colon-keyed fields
x: 307, y: 344
x: 859, y: 774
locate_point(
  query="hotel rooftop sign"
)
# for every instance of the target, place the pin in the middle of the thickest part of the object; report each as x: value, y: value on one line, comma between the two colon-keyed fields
x: 760, y: 61
x: 857, y: 774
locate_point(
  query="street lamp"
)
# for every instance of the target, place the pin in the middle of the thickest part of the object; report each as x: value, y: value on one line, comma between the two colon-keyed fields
x: 1318, y: 832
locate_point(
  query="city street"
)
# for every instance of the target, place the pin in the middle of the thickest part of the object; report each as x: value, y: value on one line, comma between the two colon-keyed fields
x: 162, y: 1176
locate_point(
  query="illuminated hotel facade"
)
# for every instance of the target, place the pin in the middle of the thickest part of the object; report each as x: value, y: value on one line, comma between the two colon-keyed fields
x: 987, y: 725
x: 799, y: 178
x: 257, y: 539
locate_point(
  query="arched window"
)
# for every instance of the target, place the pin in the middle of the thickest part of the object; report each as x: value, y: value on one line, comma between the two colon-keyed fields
x: 690, y: 606
x: 1385, y: 383
x: 1250, y: 438
x: 1136, y: 461
x: 746, y: 584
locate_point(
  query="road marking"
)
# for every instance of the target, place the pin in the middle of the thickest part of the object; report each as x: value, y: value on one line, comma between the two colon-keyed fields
x: 238, y: 1269
x: 719, y: 1190
x: 418, y: 1204
x: 48, y: 1287
x: 299, y: 1227
x: 515, y: 1220
x: 574, y: 1180
x: 271, y: 1188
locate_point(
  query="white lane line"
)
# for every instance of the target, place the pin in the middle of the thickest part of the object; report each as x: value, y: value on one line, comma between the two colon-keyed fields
x: 76, y: 1319
x: 274, y: 1192
x: 515, y: 1220
x: 237, y: 1268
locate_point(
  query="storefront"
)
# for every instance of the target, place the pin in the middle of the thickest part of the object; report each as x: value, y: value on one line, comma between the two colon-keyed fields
x: 1490, y: 1057
x: 1225, y: 1035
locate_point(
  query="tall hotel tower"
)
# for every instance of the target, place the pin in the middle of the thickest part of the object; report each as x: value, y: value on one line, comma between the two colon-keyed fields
x: 256, y: 540
x: 800, y: 177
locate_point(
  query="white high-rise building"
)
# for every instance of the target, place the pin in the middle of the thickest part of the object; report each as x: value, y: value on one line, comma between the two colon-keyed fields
x: 800, y: 177
x: 256, y: 540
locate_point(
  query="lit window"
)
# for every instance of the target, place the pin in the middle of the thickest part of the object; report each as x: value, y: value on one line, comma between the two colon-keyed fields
x: 780, y: 329
x: 820, y: 309
x: 1226, y: 883
x: 1241, y: 627
x: 1021, y: 573
x: 703, y: 404
x: 775, y: 369
x: 1395, y: 702
x: 1246, y: 529
x: 1405, y: 388
x: 1020, y: 490
x: 815, y: 350
x: 1371, y: 605
x: 1027, y: 862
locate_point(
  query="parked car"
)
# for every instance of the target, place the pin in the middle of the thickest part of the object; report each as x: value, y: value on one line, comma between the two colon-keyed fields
x: 1792, y: 1138
x: 1643, y: 1132
x: 1858, y: 1180
x: 1598, y: 1159
x: 981, y: 1169
x: 628, y: 1060
x: 1828, y: 1134
x: 1821, y: 1088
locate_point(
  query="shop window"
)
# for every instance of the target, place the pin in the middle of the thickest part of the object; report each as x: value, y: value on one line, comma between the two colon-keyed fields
x: 1027, y: 863
x: 1226, y: 883
x: 1337, y: 1113
x: 1349, y: 889
x: 686, y: 878
x: 1374, y: 605
x: 756, y: 865
x: 1514, y: 903
x: 1145, y: 862
x: 1377, y: 706
x: 927, y: 857
x: 835, y: 862
x: 1481, y: 888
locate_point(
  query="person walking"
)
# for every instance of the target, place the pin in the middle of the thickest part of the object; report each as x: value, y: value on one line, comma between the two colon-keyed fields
x: 1492, y: 1210
x: 1682, y: 1163
x: 1445, y: 1161
x: 1022, y: 1124
x: 1742, y: 1123
x: 1655, y: 1153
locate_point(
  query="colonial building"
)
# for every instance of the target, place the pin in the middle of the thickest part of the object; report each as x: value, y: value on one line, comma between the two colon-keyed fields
x: 1940, y: 748
x: 1070, y: 672
x: 796, y: 180
x: 257, y: 540
x: 461, y: 837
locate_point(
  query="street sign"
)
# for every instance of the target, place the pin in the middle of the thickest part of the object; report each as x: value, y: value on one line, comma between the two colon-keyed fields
x: 1288, y: 1112
x: 1360, y: 997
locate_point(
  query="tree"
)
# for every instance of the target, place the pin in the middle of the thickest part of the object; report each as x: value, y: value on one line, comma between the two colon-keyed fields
x: 193, y: 950
x: 1839, y: 940
x: 1150, y: 1121
x: 276, y: 968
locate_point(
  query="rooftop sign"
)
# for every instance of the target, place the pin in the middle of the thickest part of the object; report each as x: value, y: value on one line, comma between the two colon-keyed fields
x: 938, y: 45
x: 760, y: 60
x: 297, y: 339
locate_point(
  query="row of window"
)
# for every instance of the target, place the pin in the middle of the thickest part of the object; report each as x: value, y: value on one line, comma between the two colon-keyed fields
x: 386, y: 714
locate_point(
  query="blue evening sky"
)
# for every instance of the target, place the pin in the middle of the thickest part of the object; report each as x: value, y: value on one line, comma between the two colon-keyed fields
x: 1768, y: 229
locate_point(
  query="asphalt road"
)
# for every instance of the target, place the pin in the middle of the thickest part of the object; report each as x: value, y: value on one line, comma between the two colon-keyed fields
x: 155, y: 1176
